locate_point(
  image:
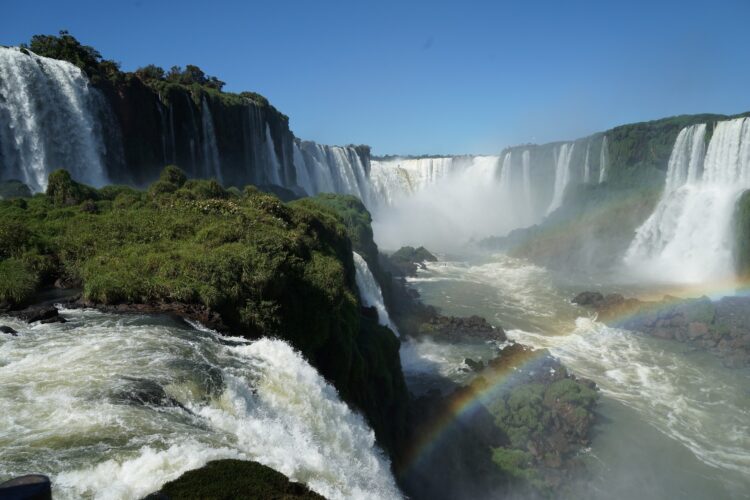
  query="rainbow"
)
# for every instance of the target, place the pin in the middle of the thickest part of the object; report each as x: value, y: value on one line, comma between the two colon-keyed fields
x: 466, y: 401
x: 491, y: 383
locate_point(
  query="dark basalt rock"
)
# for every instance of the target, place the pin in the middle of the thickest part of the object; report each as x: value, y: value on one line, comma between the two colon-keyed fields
x: 722, y: 326
x: 234, y: 479
x: 38, y: 313
x: 9, y: 330
x: 406, y: 260
x: 30, y: 487
x: 474, y: 327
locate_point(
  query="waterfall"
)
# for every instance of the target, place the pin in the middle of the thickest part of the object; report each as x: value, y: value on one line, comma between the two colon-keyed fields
x: 394, y: 179
x: 603, y: 160
x: 370, y: 292
x: 211, y: 161
x: 272, y: 164
x: 145, y: 399
x: 505, y: 172
x: 688, y: 238
x: 338, y: 169
x: 527, y: 194
x: 587, y: 165
x: 562, y: 175
x: 49, y: 119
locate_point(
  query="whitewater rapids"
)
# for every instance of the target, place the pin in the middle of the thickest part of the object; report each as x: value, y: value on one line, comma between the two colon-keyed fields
x: 114, y: 406
x: 674, y: 422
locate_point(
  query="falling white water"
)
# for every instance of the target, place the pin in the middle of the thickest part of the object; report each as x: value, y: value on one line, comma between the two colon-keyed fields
x: 443, y: 204
x: 603, y: 160
x: 398, y: 178
x: 689, y: 238
x: 562, y: 175
x: 526, y: 167
x: 272, y: 165
x: 49, y: 119
x: 211, y: 161
x: 144, y: 399
x: 587, y: 164
x: 370, y: 292
x: 331, y: 169
x: 505, y: 171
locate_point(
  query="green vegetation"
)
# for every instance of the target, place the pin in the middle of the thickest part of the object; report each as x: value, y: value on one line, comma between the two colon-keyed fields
x: 264, y: 267
x: 14, y: 189
x: 517, y: 464
x: 233, y: 479
x: 66, y: 48
x: 100, y: 71
x: 531, y: 416
x: 742, y: 235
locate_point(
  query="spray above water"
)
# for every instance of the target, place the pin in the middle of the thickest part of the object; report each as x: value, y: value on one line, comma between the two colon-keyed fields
x: 689, y: 238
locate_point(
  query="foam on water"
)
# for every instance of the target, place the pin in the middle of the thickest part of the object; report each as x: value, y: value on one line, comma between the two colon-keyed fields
x: 142, y: 400
x: 686, y: 397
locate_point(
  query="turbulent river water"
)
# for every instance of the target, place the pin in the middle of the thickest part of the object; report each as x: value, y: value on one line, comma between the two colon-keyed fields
x: 114, y: 406
x: 674, y: 422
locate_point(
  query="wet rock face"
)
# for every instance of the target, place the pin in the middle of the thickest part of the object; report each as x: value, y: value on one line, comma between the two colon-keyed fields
x: 407, y: 260
x: 44, y: 314
x: 453, y: 327
x: 722, y: 326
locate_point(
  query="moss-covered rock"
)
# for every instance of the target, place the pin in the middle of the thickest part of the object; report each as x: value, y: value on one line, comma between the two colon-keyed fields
x: 233, y: 479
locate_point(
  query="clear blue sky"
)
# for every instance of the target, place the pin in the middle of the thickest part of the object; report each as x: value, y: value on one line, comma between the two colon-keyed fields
x: 432, y: 77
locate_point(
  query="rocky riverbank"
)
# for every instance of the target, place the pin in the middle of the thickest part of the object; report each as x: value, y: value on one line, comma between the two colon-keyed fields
x: 722, y: 326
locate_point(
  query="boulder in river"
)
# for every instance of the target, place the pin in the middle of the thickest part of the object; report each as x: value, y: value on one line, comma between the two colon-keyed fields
x: 9, y: 330
x: 38, y: 313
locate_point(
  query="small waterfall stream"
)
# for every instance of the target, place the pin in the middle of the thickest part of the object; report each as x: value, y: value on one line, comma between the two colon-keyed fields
x: 370, y: 292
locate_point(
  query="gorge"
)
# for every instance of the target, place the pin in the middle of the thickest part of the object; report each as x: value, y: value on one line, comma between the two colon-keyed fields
x: 222, y: 289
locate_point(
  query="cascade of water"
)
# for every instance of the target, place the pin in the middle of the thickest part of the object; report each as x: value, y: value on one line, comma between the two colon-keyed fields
x: 304, y: 179
x: 527, y: 192
x: 48, y: 120
x: 370, y: 292
x: 685, y: 161
x: 603, y: 160
x: 587, y: 164
x: 338, y: 169
x: 272, y: 165
x: 505, y: 172
x: 562, y: 175
x: 164, y: 399
x: 688, y: 238
x: 172, y: 139
x: 210, y: 149
x: 400, y: 177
